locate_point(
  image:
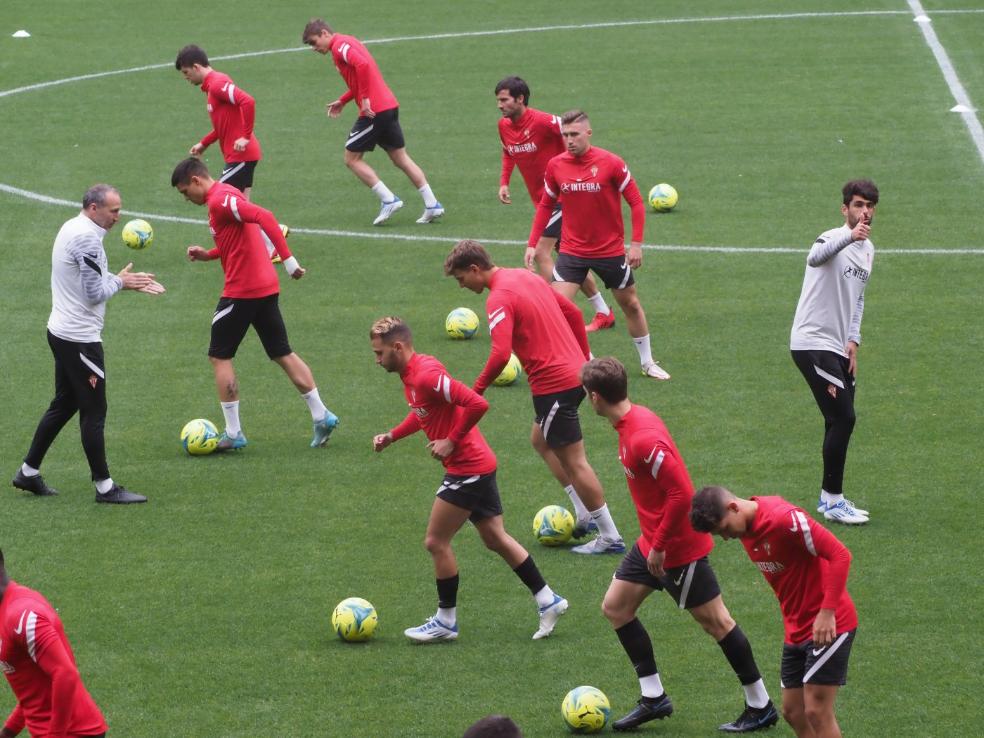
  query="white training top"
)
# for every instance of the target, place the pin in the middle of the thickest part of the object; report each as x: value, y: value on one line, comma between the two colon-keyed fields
x: 81, y: 282
x: 832, y: 300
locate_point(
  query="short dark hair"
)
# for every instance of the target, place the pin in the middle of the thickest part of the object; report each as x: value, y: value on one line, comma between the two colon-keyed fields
x: 708, y: 508
x: 189, y: 56
x: 314, y: 28
x: 493, y: 726
x: 465, y: 254
x: 96, y: 195
x: 574, y: 116
x: 517, y: 86
x: 188, y: 168
x: 391, y: 329
x: 863, y: 187
x: 607, y: 377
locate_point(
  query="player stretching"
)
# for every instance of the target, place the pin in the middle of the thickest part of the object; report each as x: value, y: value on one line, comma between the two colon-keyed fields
x: 37, y: 660
x: 807, y: 567
x: 378, y: 121
x: 826, y: 335
x: 250, y: 296
x: 232, y: 111
x: 448, y: 412
x: 546, y: 331
x: 592, y: 182
x: 530, y: 138
x: 669, y: 555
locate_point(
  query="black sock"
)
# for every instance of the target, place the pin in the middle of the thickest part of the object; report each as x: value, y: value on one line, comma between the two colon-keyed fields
x: 639, y: 648
x: 530, y: 575
x: 738, y: 651
x: 447, y: 592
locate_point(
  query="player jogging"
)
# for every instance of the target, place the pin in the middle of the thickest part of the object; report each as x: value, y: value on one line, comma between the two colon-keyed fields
x: 378, y: 121
x: 592, y: 183
x: 546, y: 331
x: 826, y: 335
x: 232, y: 111
x: 530, y: 138
x: 448, y: 412
x: 807, y: 567
x: 38, y: 662
x: 250, y: 296
x: 669, y: 556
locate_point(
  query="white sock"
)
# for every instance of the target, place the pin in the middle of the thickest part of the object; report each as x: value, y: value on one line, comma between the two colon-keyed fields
x: 644, y: 349
x: 755, y: 694
x: 651, y: 686
x: 104, y: 485
x: 580, y: 511
x: 429, y: 200
x: 269, y: 244
x: 448, y: 615
x: 28, y: 471
x: 315, y: 405
x: 830, y: 499
x: 606, y: 526
x: 544, y: 597
x: 597, y: 300
x: 231, y: 412
x: 383, y: 192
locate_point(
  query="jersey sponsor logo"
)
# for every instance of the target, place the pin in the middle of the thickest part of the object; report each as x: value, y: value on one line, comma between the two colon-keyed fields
x: 592, y: 187
x: 523, y: 148
x: 856, y: 272
x: 770, y: 567
x: 420, y: 412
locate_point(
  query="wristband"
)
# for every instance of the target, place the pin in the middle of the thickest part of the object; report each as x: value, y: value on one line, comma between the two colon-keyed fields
x: 291, y: 265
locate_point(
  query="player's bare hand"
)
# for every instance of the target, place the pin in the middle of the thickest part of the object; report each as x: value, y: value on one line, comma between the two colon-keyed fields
x: 381, y: 441
x: 134, y: 280
x: 504, y: 197
x: 197, y: 253
x: 154, y: 288
x: 852, y: 358
x: 334, y: 108
x: 824, y: 628
x: 441, y: 448
x: 196, y: 150
x: 366, y: 108
x: 298, y: 273
x: 240, y: 144
x: 862, y: 229
x: 529, y: 258
x: 654, y: 562
x: 635, y: 256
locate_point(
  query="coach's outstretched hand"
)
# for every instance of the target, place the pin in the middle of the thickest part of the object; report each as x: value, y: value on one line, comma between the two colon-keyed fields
x: 139, y: 281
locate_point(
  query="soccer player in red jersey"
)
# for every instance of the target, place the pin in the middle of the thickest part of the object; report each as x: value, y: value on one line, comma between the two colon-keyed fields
x: 592, y: 183
x: 448, y: 412
x: 546, y: 331
x: 38, y: 662
x: 669, y: 555
x: 807, y: 567
x: 531, y: 138
x: 250, y: 296
x: 232, y: 111
x: 378, y: 121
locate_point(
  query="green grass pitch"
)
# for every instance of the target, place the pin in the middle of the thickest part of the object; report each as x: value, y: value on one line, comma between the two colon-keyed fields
x: 205, y: 613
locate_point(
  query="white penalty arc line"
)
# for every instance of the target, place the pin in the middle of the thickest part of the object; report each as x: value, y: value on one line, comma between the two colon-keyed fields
x: 38, y: 197
x: 508, y: 31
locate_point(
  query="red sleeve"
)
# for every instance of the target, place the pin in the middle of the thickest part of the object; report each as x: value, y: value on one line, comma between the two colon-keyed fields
x: 360, y: 63
x: 210, y: 138
x: 56, y: 661
x: 247, y: 212
x: 572, y: 314
x: 634, y: 198
x: 838, y: 558
x: 409, y: 426
x: 247, y: 109
x: 676, y: 508
x: 508, y: 164
x: 473, y: 405
x: 501, y: 328
x: 15, y: 723
x: 346, y: 97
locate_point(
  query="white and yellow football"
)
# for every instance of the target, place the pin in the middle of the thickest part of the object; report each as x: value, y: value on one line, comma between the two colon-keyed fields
x: 586, y: 710
x: 663, y: 197
x: 138, y: 234
x: 553, y: 525
x: 354, y: 620
x: 461, y: 323
x: 199, y: 437
x: 510, y: 373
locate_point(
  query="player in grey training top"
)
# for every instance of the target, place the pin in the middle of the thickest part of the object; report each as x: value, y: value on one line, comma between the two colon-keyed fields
x: 81, y: 283
x: 826, y: 335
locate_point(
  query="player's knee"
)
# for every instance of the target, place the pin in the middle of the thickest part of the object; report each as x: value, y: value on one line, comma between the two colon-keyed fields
x: 792, y: 714
x: 434, y: 544
x: 818, y: 716
x: 615, y: 612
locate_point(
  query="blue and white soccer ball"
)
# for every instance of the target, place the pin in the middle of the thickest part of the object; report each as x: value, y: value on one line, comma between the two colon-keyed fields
x: 354, y: 619
x: 138, y: 234
x: 510, y: 372
x: 199, y: 437
x: 553, y: 525
x: 461, y: 323
x: 586, y: 710
x: 663, y: 197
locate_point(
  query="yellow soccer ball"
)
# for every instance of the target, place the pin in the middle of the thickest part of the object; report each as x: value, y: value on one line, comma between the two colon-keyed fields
x: 553, y: 525
x: 510, y: 372
x: 461, y: 323
x: 199, y: 437
x: 663, y: 197
x: 138, y: 234
x: 354, y: 619
x: 586, y: 710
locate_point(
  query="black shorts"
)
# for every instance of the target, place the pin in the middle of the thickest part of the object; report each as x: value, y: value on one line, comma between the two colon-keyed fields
x: 478, y: 493
x: 239, y: 174
x: 384, y: 129
x: 690, y: 585
x: 615, y: 272
x: 233, y: 317
x: 80, y: 374
x: 556, y: 414
x: 821, y: 369
x: 553, y: 226
x: 804, y: 664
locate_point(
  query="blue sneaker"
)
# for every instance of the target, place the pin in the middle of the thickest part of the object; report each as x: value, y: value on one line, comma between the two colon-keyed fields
x: 601, y: 545
x: 584, y: 527
x: 432, y: 631
x: 230, y: 444
x: 549, y: 616
x: 323, y: 429
x: 822, y: 507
